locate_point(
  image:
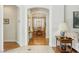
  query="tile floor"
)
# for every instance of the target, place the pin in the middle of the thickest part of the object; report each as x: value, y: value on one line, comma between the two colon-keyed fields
x: 32, y: 49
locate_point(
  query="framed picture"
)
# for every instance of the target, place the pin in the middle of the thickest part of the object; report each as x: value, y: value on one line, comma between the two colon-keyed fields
x: 76, y: 19
x: 6, y: 21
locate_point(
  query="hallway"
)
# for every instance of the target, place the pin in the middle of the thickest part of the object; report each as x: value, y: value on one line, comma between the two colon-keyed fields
x: 38, y: 41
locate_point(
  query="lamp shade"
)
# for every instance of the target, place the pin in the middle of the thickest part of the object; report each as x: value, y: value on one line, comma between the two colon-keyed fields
x: 63, y: 27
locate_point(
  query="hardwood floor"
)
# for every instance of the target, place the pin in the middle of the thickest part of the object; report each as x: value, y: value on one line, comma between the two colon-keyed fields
x: 38, y: 41
x: 10, y: 45
x: 34, y: 41
x: 13, y: 45
x: 57, y: 50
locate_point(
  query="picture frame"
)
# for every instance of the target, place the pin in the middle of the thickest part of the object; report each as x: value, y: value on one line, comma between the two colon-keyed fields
x: 76, y: 19
x: 6, y: 21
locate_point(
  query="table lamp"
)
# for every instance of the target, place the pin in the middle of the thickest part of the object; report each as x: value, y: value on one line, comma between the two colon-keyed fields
x: 63, y: 28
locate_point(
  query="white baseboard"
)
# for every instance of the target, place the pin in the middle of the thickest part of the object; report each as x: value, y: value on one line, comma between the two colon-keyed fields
x: 10, y: 40
x: 19, y: 44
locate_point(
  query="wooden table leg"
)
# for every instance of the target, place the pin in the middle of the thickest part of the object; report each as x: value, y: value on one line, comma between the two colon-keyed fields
x: 56, y: 43
x: 71, y: 47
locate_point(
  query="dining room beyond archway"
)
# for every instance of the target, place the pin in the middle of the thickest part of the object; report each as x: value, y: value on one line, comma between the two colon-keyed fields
x: 37, y: 25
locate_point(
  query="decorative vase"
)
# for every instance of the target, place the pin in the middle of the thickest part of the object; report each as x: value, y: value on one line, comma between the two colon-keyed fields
x: 62, y: 33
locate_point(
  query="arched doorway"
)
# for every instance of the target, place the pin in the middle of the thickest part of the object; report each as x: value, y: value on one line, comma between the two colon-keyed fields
x: 37, y: 26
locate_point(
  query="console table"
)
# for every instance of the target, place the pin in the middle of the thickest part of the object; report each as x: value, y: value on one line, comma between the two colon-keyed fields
x: 65, y: 41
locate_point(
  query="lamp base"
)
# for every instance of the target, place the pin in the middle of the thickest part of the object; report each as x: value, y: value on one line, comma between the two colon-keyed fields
x: 62, y: 33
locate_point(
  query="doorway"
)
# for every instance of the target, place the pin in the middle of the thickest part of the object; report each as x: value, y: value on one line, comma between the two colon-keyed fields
x: 37, y: 26
x: 10, y: 26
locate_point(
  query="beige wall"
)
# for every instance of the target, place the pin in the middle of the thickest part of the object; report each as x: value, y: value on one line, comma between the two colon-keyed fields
x: 10, y: 30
